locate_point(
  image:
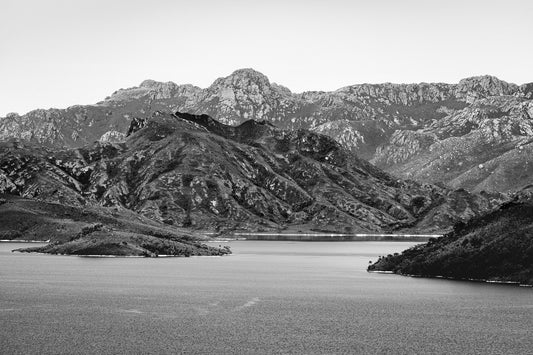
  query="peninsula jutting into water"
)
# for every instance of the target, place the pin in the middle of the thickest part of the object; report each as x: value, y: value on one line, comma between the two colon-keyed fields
x: 95, y: 230
x: 495, y: 247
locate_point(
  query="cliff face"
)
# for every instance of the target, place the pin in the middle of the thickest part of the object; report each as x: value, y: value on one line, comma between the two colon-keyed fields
x: 193, y: 171
x: 427, y: 132
x: 497, y: 247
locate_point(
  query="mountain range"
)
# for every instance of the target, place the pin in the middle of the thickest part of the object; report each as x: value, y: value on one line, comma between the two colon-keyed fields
x: 476, y: 134
x: 193, y: 171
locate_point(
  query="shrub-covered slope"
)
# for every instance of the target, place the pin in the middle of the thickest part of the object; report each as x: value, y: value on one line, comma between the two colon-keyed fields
x: 497, y: 246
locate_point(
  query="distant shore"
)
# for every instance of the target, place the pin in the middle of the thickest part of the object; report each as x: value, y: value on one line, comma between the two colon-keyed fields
x: 334, y: 237
x: 490, y: 281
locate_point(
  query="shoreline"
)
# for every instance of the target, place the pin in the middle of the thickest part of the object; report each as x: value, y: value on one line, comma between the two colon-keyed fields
x: 497, y: 282
x: 96, y: 256
x: 332, y: 237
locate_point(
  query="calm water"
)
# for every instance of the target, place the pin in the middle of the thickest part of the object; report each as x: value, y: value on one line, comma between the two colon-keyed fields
x: 267, y: 298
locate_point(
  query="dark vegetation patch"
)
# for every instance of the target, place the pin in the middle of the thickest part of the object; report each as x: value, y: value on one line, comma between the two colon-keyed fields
x: 497, y: 246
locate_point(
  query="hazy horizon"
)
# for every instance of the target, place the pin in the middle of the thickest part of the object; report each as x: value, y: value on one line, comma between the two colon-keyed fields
x: 58, y: 53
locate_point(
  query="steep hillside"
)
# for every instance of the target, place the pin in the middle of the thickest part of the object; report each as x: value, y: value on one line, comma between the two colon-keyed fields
x: 497, y: 247
x: 486, y: 146
x: 193, y: 171
x: 427, y: 132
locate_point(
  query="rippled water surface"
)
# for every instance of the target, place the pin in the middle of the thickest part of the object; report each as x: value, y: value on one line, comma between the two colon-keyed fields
x: 267, y: 298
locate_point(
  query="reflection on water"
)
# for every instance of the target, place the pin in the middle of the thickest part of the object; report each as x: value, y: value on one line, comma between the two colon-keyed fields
x: 268, y: 297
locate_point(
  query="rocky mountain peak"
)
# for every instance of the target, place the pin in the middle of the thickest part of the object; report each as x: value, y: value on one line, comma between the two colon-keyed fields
x: 245, y: 94
x: 12, y: 115
x: 248, y: 80
x: 249, y: 73
x: 526, y: 90
x: 148, y: 83
x: 246, y: 132
x: 438, y: 124
x: 486, y: 85
x: 160, y: 89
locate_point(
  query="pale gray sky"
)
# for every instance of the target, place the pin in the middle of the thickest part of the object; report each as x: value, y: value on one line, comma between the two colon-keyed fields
x: 56, y: 53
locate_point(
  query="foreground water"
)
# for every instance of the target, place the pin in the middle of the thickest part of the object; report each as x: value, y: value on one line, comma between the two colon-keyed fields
x: 267, y: 298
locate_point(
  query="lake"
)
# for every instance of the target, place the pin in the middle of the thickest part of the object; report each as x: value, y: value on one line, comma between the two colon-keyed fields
x: 269, y: 297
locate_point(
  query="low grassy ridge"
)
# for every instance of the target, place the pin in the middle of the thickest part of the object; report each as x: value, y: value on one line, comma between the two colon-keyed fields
x: 94, y: 231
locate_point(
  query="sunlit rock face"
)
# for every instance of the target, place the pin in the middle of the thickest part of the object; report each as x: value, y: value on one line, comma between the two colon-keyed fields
x: 428, y: 132
x: 112, y: 137
x: 193, y: 171
x: 486, y: 146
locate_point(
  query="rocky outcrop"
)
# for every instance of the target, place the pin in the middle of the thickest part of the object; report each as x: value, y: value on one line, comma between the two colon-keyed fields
x: 483, y: 147
x: 112, y: 137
